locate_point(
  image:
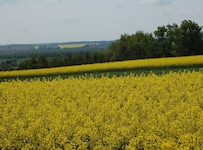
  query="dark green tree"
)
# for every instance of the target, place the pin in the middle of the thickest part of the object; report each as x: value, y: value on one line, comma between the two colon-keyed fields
x: 32, y: 63
x: 190, y: 40
x: 119, y: 48
x: 172, y: 37
x: 135, y: 46
x: 163, y: 43
x: 42, y: 61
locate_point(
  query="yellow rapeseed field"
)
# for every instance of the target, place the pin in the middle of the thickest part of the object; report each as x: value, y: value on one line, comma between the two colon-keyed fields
x: 132, y: 112
x: 62, y: 46
x: 36, y: 47
x: 131, y: 64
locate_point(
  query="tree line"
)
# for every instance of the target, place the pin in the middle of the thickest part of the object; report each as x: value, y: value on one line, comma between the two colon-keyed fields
x: 66, y: 59
x: 166, y: 41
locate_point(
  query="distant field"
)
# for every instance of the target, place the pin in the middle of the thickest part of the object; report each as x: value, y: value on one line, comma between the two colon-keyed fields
x: 36, y: 47
x: 142, y: 64
x: 62, y: 46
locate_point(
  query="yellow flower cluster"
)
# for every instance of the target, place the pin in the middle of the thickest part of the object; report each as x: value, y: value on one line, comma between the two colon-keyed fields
x: 130, y: 112
x: 131, y: 64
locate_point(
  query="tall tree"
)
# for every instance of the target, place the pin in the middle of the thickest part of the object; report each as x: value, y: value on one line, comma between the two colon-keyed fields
x: 118, y: 48
x: 160, y: 35
x: 135, y: 46
x: 190, y: 38
x: 141, y: 45
x: 172, y: 38
x: 42, y: 61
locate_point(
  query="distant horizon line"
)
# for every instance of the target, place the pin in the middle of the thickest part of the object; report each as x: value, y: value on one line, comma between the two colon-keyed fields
x: 49, y: 43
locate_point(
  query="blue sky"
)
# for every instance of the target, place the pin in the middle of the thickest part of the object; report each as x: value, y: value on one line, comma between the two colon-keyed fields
x: 44, y: 21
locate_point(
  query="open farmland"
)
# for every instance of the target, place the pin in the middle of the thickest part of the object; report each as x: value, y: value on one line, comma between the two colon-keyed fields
x: 62, y: 46
x: 149, y: 64
x: 130, y: 112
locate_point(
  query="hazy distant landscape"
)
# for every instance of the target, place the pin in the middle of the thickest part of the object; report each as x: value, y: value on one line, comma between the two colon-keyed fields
x: 84, y: 45
x: 12, y: 55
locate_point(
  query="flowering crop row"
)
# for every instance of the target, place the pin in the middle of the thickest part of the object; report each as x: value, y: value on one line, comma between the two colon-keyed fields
x: 130, y: 112
x: 121, y: 65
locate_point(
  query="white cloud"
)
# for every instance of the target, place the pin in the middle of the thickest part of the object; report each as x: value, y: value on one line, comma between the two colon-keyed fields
x: 155, y: 2
x: 119, y: 3
x: 3, y: 2
x: 54, y: 1
x: 15, y: 2
x: 51, y: 1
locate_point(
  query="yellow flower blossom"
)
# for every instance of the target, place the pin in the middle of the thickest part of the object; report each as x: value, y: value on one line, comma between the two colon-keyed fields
x: 130, y: 112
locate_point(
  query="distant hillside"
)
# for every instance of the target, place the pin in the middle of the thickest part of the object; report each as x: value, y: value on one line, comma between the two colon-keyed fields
x: 12, y: 55
x: 82, y: 45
